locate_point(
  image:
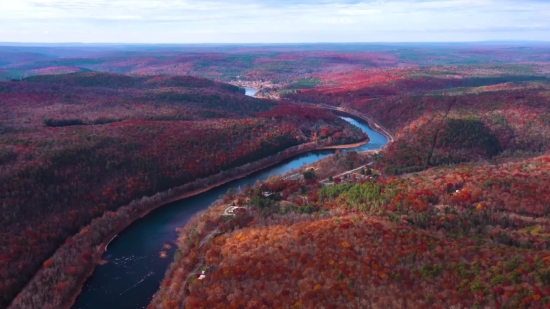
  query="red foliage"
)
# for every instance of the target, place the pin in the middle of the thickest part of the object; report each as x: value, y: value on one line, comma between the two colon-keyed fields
x: 369, y: 260
x: 302, y: 113
x: 99, y: 150
x: 86, y: 256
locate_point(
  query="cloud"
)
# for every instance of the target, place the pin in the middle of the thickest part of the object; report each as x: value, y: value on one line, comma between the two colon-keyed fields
x: 281, y: 20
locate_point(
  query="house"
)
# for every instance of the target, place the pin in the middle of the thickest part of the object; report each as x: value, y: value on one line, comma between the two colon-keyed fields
x: 202, y: 276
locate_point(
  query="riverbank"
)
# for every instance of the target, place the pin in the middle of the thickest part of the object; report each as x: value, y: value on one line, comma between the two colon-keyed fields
x: 188, y: 246
x: 373, y: 124
x: 170, y: 197
x: 158, y: 227
x: 92, y: 239
x: 347, y: 145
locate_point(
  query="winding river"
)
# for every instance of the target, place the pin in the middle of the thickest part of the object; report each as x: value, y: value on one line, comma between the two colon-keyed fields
x: 134, y: 270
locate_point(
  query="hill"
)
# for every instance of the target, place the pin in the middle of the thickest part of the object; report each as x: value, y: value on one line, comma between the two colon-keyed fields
x: 280, y: 64
x: 451, y: 214
x: 74, y: 147
x: 467, y: 236
x: 446, y: 115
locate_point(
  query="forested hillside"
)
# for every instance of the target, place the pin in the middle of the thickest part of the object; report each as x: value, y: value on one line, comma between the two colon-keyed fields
x: 279, y: 64
x: 446, y: 115
x: 473, y: 236
x: 75, y: 146
x: 453, y: 213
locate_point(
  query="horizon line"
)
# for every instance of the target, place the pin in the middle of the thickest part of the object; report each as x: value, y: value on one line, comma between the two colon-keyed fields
x: 276, y: 43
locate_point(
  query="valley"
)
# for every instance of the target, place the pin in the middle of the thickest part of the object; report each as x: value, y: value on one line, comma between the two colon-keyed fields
x: 448, y: 144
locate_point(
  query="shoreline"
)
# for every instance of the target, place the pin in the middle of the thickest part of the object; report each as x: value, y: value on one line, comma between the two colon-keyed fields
x: 101, y: 247
x: 354, y: 145
x: 371, y: 122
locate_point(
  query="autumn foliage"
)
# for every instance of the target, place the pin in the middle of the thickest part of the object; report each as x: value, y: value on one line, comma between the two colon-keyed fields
x: 452, y: 237
x: 79, y: 146
x: 74, y: 147
x: 445, y: 115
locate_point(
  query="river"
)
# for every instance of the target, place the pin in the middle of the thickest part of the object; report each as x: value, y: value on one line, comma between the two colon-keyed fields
x: 134, y: 270
x: 250, y: 91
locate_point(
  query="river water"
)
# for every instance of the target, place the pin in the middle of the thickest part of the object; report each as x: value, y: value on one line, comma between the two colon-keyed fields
x: 250, y: 91
x: 134, y: 270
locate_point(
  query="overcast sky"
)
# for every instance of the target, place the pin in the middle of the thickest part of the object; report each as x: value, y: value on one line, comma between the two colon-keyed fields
x: 272, y: 21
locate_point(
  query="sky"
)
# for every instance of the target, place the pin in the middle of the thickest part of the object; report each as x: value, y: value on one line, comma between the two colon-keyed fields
x: 273, y: 21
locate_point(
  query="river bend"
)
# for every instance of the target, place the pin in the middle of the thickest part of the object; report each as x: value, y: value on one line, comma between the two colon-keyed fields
x: 134, y: 270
